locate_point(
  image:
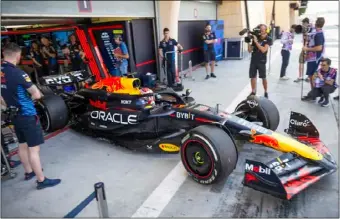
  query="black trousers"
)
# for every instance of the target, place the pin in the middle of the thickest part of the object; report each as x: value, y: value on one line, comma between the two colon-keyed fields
x: 321, y: 91
x: 170, y: 72
x: 285, y: 61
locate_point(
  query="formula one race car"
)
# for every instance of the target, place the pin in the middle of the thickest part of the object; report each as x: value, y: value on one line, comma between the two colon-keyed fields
x: 139, y: 119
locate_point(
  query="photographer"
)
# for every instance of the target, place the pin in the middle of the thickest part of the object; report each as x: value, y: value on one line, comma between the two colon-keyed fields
x: 17, y: 91
x: 259, y: 48
x: 314, y: 49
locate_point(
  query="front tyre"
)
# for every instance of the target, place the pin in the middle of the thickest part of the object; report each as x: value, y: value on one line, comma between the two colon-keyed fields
x: 259, y: 109
x: 208, y: 154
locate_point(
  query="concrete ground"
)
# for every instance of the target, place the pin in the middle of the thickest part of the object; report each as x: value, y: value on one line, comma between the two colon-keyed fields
x: 156, y: 185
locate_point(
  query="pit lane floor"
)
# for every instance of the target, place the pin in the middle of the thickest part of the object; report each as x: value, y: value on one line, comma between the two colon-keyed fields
x: 133, y: 180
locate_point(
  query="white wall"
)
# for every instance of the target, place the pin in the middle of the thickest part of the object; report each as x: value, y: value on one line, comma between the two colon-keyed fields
x: 256, y: 13
x: 70, y: 9
x: 205, y: 11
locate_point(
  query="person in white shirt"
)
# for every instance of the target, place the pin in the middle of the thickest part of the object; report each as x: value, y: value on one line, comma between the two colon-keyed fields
x: 287, y: 40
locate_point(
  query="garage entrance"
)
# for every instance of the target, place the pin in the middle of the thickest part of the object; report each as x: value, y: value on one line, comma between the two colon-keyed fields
x: 95, y: 38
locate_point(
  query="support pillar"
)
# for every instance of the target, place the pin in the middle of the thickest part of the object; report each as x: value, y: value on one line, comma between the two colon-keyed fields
x: 167, y: 14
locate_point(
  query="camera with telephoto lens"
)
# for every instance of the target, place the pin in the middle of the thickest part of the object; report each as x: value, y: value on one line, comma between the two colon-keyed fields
x: 302, y: 29
x: 250, y: 34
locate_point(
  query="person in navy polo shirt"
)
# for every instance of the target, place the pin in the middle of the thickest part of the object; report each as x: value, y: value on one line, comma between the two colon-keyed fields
x: 18, y: 91
x: 168, y: 45
x: 209, y: 40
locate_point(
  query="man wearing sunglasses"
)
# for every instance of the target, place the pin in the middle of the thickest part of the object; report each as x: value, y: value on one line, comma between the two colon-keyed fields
x: 324, y: 83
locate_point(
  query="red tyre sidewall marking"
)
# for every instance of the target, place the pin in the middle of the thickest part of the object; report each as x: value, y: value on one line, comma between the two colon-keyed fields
x: 206, y: 148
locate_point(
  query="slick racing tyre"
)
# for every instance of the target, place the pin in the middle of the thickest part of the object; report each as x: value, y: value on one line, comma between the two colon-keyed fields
x: 53, y: 113
x: 208, y: 154
x: 45, y: 90
x: 259, y: 109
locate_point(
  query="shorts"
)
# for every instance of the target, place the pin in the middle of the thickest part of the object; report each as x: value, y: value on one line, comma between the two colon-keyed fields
x: 209, y: 55
x: 312, y: 67
x: 301, y: 61
x: 259, y: 66
x: 28, y: 130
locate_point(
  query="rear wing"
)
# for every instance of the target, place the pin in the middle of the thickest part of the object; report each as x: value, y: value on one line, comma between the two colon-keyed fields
x: 284, y: 176
x: 67, y: 78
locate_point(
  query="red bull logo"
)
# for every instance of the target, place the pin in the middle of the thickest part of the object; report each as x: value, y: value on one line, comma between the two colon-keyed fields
x: 266, y: 140
x: 110, y: 84
x: 98, y: 104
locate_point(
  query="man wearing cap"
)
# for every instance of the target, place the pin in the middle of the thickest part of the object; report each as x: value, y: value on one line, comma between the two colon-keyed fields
x: 121, y: 54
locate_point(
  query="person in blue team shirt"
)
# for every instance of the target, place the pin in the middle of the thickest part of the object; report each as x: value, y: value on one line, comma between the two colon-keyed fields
x: 315, y: 48
x: 209, y: 40
x: 168, y: 44
x: 17, y: 91
x: 324, y: 83
x: 121, y: 53
x: 287, y: 40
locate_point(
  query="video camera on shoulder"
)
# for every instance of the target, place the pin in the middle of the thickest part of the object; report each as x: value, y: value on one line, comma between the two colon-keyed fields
x: 250, y: 34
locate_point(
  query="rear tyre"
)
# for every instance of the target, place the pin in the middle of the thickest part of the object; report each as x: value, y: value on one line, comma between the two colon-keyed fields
x: 53, y: 113
x: 259, y: 109
x: 45, y: 90
x: 208, y: 154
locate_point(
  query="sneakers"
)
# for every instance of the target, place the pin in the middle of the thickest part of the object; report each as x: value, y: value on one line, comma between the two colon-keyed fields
x: 284, y: 78
x: 325, y: 103
x: 251, y: 94
x: 14, y: 163
x: 308, y: 98
x: 48, y: 183
x: 211, y: 75
x: 30, y: 175
x: 298, y: 80
x: 301, y: 79
x: 321, y: 100
x: 266, y: 95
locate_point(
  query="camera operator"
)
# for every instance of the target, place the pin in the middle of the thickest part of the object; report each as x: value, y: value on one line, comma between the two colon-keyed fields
x: 314, y: 49
x: 259, y: 48
x: 17, y: 91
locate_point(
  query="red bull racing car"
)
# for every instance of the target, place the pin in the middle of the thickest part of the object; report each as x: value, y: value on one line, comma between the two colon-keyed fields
x: 137, y: 118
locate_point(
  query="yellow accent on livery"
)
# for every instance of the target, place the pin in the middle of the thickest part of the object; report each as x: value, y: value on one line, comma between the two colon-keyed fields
x: 169, y: 147
x: 287, y: 144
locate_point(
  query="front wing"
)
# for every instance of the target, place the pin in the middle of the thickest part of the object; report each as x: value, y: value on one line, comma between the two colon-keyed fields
x: 288, y: 174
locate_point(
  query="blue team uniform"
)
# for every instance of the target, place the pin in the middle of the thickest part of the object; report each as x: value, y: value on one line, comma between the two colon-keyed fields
x: 14, y: 83
x: 169, y: 46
